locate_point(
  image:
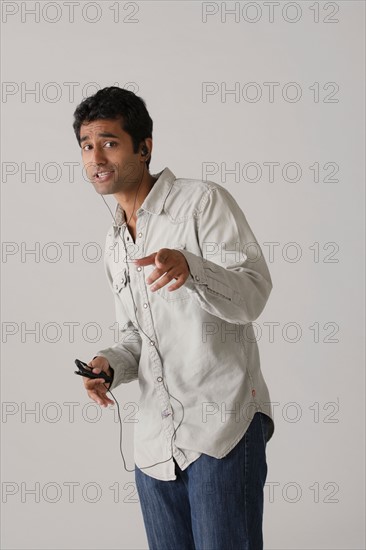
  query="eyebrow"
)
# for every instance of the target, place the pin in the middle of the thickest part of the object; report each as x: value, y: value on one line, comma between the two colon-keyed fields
x: 103, y: 134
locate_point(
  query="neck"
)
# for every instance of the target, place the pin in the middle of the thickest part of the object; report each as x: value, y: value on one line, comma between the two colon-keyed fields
x: 131, y: 200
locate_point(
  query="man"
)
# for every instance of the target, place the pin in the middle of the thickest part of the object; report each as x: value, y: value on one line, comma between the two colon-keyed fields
x: 188, y: 278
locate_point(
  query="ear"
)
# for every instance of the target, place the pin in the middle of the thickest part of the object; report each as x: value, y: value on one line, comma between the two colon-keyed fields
x: 149, y: 145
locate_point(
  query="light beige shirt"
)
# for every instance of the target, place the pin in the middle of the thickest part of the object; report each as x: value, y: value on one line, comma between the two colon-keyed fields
x: 192, y: 350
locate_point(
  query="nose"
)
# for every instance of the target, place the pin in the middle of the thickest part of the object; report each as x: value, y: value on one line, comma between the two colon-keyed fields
x: 99, y: 155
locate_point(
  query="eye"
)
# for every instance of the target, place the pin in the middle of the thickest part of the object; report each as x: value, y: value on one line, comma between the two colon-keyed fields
x: 111, y: 143
x: 85, y: 147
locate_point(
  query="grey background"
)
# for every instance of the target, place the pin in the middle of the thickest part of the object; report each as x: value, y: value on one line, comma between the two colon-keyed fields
x: 314, y: 496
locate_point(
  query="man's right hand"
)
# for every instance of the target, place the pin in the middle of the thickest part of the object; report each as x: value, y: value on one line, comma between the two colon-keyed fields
x: 97, y: 388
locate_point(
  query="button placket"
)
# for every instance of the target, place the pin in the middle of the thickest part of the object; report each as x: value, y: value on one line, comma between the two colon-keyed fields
x: 163, y: 396
x: 148, y: 327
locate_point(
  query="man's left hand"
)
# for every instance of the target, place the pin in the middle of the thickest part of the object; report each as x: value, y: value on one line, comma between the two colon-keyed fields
x: 170, y: 264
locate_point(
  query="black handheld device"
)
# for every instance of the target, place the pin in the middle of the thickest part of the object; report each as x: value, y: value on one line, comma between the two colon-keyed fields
x: 85, y: 370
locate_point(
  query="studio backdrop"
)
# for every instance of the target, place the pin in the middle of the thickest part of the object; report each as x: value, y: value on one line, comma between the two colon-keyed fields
x: 264, y: 98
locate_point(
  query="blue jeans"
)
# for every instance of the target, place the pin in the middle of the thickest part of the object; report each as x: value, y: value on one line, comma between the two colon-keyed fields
x: 214, y: 504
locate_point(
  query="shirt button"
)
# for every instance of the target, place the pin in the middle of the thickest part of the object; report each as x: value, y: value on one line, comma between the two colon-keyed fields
x: 152, y: 343
x: 122, y: 280
x: 145, y: 306
x: 197, y: 278
x: 140, y: 235
x: 139, y: 268
x: 159, y: 379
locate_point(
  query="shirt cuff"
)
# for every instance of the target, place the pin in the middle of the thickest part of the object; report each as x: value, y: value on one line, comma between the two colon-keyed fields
x: 197, y: 273
x: 208, y: 277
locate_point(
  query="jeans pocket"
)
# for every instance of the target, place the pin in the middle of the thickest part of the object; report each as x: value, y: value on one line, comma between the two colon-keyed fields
x: 265, y: 420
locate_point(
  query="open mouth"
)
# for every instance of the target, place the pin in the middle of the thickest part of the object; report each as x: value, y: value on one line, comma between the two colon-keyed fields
x: 103, y: 176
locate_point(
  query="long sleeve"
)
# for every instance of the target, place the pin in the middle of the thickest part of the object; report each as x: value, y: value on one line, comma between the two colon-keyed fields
x: 124, y: 356
x: 231, y: 279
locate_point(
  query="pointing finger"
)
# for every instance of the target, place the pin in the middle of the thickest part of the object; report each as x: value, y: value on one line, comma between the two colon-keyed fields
x: 147, y: 260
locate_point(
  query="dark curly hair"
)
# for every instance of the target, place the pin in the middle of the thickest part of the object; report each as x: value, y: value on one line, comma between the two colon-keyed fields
x: 113, y: 102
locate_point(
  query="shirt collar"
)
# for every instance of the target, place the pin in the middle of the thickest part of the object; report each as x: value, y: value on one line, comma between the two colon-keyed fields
x: 154, y: 201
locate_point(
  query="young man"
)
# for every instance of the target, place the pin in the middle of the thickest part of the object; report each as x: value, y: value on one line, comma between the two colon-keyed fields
x: 188, y: 278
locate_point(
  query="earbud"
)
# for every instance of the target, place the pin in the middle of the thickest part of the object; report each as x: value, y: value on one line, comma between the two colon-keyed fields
x: 144, y: 151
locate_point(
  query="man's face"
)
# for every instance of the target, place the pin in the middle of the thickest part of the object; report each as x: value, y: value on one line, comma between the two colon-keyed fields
x: 108, y: 157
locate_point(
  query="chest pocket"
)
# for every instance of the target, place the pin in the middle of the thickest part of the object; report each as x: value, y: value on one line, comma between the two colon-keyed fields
x: 120, y: 281
x: 174, y: 295
x: 120, y: 287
